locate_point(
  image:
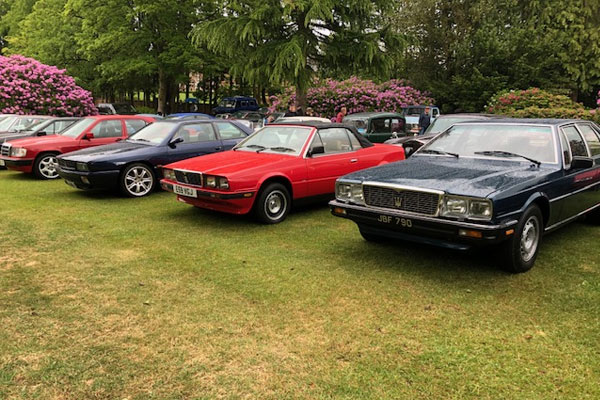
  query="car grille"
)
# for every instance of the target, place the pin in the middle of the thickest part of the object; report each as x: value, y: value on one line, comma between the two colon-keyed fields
x: 67, y: 164
x: 5, y: 149
x: 190, y: 178
x: 401, y: 199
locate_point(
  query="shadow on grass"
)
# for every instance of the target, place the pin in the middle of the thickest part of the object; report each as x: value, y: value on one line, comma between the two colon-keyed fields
x: 19, y: 176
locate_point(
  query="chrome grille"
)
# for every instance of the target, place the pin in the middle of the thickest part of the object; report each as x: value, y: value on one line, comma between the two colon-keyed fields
x: 401, y: 199
x: 67, y: 164
x: 5, y: 150
x: 190, y: 178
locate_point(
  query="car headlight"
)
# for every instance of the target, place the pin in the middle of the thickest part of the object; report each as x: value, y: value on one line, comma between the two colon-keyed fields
x: 223, y: 183
x: 465, y: 207
x: 169, y: 174
x: 18, y: 152
x: 349, y: 192
x: 216, y: 182
x: 81, y: 166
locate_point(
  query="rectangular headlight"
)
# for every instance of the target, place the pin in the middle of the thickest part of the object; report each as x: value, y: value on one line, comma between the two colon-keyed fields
x: 480, y: 209
x: 18, y: 152
x: 465, y: 207
x: 349, y: 192
x: 223, y: 183
x: 168, y: 174
x: 82, y: 166
x: 210, y: 181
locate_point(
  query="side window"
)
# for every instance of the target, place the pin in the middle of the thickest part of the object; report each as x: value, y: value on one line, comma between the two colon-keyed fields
x: 435, y: 112
x: 576, y: 142
x: 355, y: 143
x: 397, y: 125
x: 591, y: 137
x: 565, y: 148
x: 244, y: 104
x: 229, y: 131
x: 335, y: 140
x: 194, y: 133
x: 380, y: 125
x: 134, y: 125
x: 107, y: 129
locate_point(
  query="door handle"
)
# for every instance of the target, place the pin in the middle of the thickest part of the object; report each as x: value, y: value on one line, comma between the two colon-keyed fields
x: 218, y: 148
x: 354, y: 160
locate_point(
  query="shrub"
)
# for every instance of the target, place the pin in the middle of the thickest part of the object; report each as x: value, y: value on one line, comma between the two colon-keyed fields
x: 30, y: 87
x: 329, y: 96
x: 533, y: 101
x: 145, y: 110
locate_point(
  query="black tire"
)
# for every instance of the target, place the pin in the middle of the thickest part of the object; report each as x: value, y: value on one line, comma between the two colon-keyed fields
x: 273, y: 204
x: 369, y: 237
x: 137, y: 180
x: 594, y: 216
x: 521, y: 250
x: 44, y: 166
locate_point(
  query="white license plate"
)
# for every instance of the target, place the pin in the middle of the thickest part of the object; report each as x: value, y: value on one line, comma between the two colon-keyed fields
x: 2, y: 164
x: 185, y: 191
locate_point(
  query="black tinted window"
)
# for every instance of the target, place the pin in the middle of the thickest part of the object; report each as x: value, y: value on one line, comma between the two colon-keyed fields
x: 591, y: 137
x: 576, y: 142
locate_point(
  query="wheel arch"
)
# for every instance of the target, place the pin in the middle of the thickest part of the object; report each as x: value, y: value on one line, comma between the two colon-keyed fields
x: 284, y: 180
x: 543, y: 202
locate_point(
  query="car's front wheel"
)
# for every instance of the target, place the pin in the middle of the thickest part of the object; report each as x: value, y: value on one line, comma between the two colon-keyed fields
x: 521, y: 250
x: 273, y: 204
x: 369, y: 237
x: 45, y: 166
x: 137, y: 180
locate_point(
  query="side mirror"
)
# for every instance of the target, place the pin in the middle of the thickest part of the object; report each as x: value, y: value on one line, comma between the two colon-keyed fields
x: 582, y: 162
x: 41, y: 133
x: 173, y: 143
x: 316, y: 150
x: 88, y: 136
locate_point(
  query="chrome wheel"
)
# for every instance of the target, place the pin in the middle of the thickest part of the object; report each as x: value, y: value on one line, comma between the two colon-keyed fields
x: 47, y: 166
x: 138, y: 181
x: 530, y: 238
x: 275, y: 205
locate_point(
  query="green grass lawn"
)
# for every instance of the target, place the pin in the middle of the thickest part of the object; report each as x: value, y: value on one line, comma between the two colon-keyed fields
x: 103, y: 297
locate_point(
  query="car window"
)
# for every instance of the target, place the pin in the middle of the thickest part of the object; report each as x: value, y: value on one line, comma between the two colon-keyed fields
x: 355, y: 143
x: 380, y: 125
x: 435, y: 113
x: 397, y: 125
x: 194, y: 133
x: 107, y: 129
x: 565, y: 148
x: 134, y: 125
x: 229, y: 131
x: 335, y: 140
x: 591, y: 137
x: 59, y: 126
x: 576, y: 142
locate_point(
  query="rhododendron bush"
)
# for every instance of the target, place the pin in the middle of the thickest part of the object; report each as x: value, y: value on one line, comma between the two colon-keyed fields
x: 327, y: 97
x: 30, y: 87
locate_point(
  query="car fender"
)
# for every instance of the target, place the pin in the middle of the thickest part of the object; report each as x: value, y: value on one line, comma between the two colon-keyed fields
x: 275, y: 175
x: 537, y: 197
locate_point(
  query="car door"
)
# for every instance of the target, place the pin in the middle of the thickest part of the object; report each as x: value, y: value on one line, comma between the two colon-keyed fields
x: 229, y: 134
x: 104, y: 131
x: 339, y: 158
x: 380, y: 130
x: 591, y: 178
x: 198, y: 139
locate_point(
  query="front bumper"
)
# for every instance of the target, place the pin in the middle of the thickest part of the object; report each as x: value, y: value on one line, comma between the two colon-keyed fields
x: 228, y: 202
x: 90, y: 179
x: 17, y: 164
x: 424, y: 229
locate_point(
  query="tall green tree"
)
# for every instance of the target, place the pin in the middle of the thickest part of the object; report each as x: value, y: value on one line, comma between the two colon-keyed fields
x: 290, y: 41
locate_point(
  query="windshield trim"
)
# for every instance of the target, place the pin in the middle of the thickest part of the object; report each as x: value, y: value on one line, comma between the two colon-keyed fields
x: 303, y: 149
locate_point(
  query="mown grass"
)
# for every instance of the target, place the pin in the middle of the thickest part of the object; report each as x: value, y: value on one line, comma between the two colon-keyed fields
x: 103, y: 297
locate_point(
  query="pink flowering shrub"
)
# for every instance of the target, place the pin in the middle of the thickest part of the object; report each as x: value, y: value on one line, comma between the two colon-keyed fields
x: 30, y: 87
x: 327, y: 97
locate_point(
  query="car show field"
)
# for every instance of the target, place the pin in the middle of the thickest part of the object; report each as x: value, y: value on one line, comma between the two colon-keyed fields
x: 107, y: 297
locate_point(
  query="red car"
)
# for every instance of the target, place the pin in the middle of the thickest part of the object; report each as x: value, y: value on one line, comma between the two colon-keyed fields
x: 38, y: 154
x: 274, y: 167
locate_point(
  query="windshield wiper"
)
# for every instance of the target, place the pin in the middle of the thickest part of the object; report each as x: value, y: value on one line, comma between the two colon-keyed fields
x: 507, y: 154
x: 279, y: 148
x: 253, y: 146
x: 446, y: 153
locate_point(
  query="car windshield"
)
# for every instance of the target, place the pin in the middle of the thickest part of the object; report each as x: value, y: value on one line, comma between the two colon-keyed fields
x: 227, y: 103
x: 124, y: 108
x: 413, y: 111
x: 360, y: 124
x: 25, y: 123
x: 277, y: 139
x: 78, y: 127
x: 154, y: 133
x: 441, y: 124
x: 6, y: 123
x: 499, y: 141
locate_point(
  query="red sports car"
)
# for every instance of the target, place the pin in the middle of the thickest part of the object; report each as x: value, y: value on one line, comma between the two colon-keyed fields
x: 274, y: 167
x: 38, y: 154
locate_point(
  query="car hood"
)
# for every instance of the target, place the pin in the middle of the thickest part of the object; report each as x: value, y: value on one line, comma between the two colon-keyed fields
x: 469, y: 177
x: 13, y: 136
x: 42, y: 140
x: 230, y: 163
x: 107, y: 151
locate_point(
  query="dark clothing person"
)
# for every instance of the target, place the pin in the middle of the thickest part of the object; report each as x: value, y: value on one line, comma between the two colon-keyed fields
x: 291, y: 114
x: 424, y: 122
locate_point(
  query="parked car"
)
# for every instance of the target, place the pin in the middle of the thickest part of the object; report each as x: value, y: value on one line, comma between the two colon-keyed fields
x: 503, y: 182
x: 132, y: 164
x: 37, y: 155
x: 49, y: 126
x: 229, y: 105
x: 413, y: 114
x: 189, y: 116
x: 295, y: 120
x: 275, y: 167
x: 116, y: 109
x: 377, y: 127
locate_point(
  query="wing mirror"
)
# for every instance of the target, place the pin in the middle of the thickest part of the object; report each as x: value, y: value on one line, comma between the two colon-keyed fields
x: 582, y: 162
x: 88, y: 136
x: 316, y: 150
x: 173, y: 143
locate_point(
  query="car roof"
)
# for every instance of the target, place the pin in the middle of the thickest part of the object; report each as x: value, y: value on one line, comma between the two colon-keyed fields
x: 471, y: 115
x: 239, y: 98
x: 526, y: 121
x: 372, y: 114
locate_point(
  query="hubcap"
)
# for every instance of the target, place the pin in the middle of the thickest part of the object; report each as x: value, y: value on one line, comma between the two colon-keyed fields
x: 138, y: 181
x: 275, y: 205
x: 530, y: 238
x: 48, y: 167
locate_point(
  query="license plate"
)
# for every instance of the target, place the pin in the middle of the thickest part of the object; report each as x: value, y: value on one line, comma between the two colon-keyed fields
x: 71, y: 183
x: 403, y: 222
x: 2, y: 164
x: 185, y: 191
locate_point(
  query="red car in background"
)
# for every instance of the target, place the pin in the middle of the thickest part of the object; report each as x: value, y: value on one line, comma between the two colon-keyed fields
x: 37, y: 155
x: 276, y: 166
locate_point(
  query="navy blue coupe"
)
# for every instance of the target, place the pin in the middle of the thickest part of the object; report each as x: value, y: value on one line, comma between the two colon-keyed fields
x: 132, y: 165
x: 503, y: 182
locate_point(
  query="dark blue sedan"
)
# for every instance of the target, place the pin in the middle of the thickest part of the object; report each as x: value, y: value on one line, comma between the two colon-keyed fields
x: 133, y: 165
x: 503, y: 182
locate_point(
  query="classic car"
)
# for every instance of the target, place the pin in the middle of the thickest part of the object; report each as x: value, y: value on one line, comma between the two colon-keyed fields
x: 377, y: 127
x: 503, y: 182
x: 49, y: 126
x: 274, y: 167
x: 413, y: 114
x: 37, y: 155
x: 132, y: 165
x: 229, y: 105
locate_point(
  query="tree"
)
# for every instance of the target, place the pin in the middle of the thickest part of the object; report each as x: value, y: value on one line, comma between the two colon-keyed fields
x: 289, y: 41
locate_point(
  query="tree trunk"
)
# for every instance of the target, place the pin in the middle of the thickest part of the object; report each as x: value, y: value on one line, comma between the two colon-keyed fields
x: 301, y: 97
x: 163, y: 88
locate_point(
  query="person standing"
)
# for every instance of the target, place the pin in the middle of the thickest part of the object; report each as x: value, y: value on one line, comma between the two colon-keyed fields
x: 341, y: 115
x: 292, y: 110
x: 424, y: 121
